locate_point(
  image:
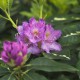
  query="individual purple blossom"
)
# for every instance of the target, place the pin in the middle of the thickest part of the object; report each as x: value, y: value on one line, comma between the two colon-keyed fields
x: 50, y: 37
x: 32, y: 31
x: 39, y: 36
x: 51, y: 34
x: 14, y: 53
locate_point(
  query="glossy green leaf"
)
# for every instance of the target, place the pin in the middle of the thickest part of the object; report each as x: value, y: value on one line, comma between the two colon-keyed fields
x: 5, y: 4
x: 3, y: 71
x: 34, y: 76
x: 9, y: 3
x: 64, y: 55
x: 70, y: 40
x: 49, y: 65
x: 8, y: 77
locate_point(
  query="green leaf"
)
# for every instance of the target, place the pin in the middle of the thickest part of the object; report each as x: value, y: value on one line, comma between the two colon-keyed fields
x: 64, y: 4
x: 70, y: 29
x: 62, y: 77
x: 78, y: 64
x: 9, y: 5
x: 35, y: 9
x: 3, y: 4
x: 64, y: 55
x: 8, y: 77
x: 28, y: 56
x: 33, y: 76
x: 70, y: 40
x: 1, y: 44
x: 2, y: 24
x: 50, y: 65
x: 76, y: 9
x: 25, y: 13
x: 3, y: 71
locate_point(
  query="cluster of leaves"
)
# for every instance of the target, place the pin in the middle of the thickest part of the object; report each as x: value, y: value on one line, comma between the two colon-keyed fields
x: 63, y: 15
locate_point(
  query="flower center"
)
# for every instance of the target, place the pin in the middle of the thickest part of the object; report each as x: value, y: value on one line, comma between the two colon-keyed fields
x: 47, y: 34
x: 35, y: 32
x: 20, y: 54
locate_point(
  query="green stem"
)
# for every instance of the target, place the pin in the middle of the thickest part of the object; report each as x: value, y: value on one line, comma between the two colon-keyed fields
x: 4, y: 17
x: 8, y: 8
x: 26, y: 71
x: 41, y: 11
x: 27, y: 65
x: 11, y: 75
x: 29, y: 77
x: 17, y: 77
x: 10, y: 19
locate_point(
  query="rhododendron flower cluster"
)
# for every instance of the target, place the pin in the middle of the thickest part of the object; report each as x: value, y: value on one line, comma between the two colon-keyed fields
x: 33, y: 37
x: 14, y: 53
x: 38, y: 36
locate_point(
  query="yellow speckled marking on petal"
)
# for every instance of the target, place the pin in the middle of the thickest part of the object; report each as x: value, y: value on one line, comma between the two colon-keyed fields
x: 20, y: 54
x: 47, y: 34
x: 35, y: 32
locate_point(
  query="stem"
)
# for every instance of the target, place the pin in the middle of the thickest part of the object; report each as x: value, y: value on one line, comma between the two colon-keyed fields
x: 16, y: 77
x: 8, y: 8
x: 11, y: 75
x: 41, y: 11
x: 10, y: 19
x: 29, y: 77
x: 4, y: 17
x: 45, y: 16
x: 26, y: 71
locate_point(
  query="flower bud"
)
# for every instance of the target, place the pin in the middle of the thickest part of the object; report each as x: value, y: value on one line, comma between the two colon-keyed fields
x: 14, y: 53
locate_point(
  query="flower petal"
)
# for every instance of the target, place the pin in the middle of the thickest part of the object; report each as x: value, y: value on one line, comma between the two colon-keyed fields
x: 16, y: 48
x: 56, y: 34
x: 4, y: 57
x: 32, y: 21
x: 7, y: 46
x: 23, y: 48
x: 20, y: 30
x: 45, y: 47
x: 19, y: 60
x: 55, y: 46
x: 34, y: 50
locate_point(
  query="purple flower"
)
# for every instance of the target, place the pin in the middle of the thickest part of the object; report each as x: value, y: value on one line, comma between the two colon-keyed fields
x: 5, y: 57
x: 50, y: 37
x: 32, y: 31
x: 38, y: 36
x: 34, y: 49
x: 13, y: 53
